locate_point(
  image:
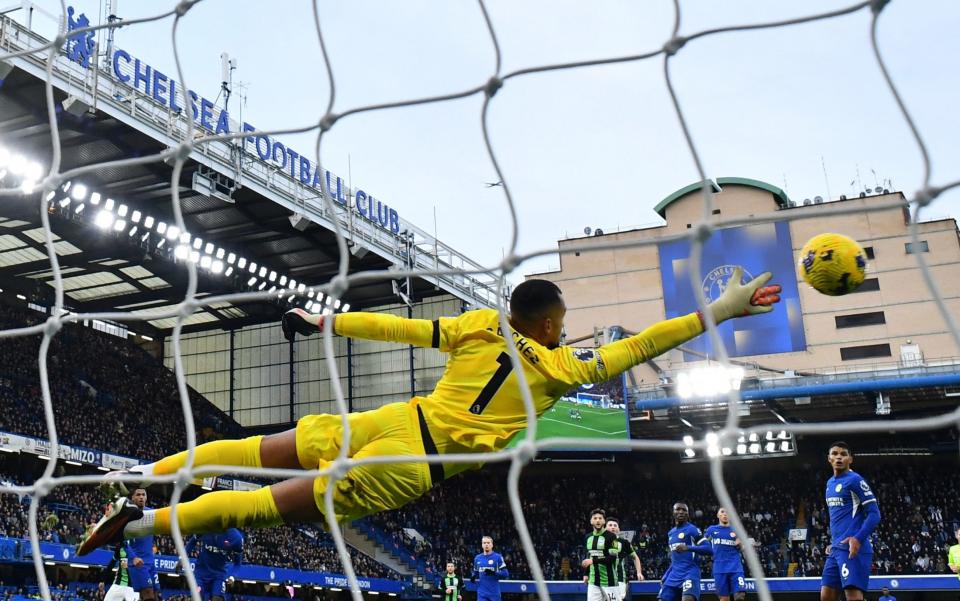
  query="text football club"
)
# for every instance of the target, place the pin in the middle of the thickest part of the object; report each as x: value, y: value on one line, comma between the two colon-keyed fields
x: 137, y: 74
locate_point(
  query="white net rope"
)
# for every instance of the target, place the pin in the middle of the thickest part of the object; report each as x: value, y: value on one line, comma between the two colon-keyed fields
x: 521, y: 455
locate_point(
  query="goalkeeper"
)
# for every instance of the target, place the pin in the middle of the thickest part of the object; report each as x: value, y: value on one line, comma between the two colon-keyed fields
x: 476, y: 407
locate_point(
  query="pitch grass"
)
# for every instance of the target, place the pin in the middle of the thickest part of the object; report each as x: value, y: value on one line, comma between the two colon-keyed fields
x: 596, y: 423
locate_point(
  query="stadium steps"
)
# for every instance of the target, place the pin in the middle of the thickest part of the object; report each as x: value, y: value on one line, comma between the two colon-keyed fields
x: 801, y: 515
x: 366, y: 545
x: 385, y: 548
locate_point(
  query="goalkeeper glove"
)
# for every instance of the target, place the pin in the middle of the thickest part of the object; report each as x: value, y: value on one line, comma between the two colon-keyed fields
x: 50, y: 522
x: 739, y: 299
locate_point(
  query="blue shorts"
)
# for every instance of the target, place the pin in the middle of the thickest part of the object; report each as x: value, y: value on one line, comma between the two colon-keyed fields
x: 689, y: 587
x: 212, y: 587
x: 840, y: 572
x: 729, y: 583
x: 144, y: 577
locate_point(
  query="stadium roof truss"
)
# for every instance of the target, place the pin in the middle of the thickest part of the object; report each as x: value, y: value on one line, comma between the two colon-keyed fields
x: 107, y: 270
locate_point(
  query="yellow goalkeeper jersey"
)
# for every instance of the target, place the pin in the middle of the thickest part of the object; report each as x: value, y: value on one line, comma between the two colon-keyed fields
x: 477, y: 403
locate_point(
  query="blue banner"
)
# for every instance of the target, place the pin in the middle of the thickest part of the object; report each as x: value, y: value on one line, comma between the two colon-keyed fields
x: 757, y: 248
x: 19, y: 550
x: 777, y: 585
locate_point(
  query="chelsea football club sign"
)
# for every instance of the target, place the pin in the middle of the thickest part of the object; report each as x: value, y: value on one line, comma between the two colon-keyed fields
x: 165, y: 90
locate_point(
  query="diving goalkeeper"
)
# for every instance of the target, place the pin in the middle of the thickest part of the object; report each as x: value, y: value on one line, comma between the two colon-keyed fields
x: 476, y: 407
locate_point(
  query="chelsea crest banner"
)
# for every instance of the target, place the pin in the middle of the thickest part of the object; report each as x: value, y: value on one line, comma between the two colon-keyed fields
x: 757, y: 248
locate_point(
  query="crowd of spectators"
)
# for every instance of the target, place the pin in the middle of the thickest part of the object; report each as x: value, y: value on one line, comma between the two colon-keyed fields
x: 302, y: 547
x: 107, y: 393
x: 918, y: 504
x: 920, y: 515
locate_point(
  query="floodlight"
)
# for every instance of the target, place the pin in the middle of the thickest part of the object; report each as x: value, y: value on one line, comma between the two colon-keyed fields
x: 104, y: 219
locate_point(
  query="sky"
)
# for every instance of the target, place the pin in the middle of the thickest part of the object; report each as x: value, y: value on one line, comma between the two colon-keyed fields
x: 803, y: 108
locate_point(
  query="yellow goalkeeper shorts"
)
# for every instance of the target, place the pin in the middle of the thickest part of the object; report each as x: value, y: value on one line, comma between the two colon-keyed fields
x: 394, y: 429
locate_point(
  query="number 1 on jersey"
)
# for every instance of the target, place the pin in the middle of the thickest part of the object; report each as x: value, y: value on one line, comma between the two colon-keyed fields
x: 493, y: 385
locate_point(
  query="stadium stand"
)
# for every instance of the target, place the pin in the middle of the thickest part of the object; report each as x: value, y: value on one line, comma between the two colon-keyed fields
x: 99, y: 379
x: 119, y: 383
x: 918, y: 506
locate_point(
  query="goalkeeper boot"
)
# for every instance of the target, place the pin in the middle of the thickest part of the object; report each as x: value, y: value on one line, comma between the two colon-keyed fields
x: 298, y: 321
x: 109, y: 530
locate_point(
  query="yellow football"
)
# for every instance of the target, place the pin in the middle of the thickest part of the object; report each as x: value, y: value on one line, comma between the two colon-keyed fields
x: 833, y: 264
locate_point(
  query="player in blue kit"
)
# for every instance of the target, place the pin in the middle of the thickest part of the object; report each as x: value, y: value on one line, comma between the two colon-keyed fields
x: 854, y: 514
x: 489, y: 568
x: 681, y: 582
x: 221, y: 553
x: 727, y: 564
x: 143, y: 575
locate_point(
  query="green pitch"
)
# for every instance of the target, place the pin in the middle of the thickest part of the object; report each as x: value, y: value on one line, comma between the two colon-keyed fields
x: 596, y: 423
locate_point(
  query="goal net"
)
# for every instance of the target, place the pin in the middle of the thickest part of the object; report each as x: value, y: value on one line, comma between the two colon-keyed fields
x: 26, y: 182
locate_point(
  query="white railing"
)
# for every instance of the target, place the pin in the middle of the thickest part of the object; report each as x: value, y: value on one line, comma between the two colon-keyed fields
x: 102, y: 91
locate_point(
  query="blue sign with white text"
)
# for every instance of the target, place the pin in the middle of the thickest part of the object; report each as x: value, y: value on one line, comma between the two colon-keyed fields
x: 756, y: 248
x: 165, y: 90
x: 18, y: 550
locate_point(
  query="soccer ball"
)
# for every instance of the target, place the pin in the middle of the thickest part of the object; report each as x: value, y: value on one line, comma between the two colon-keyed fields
x: 833, y: 264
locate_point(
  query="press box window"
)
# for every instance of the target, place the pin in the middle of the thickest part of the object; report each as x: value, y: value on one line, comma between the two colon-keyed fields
x: 860, y: 319
x: 918, y: 247
x: 867, y: 351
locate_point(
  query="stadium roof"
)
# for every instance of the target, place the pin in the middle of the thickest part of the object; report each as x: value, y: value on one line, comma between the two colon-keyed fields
x: 779, y: 195
x: 698, y: 418
x: 106, y: 269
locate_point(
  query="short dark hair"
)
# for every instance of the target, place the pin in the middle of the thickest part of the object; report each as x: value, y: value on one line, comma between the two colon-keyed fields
x: 600, y: 511
x: 613, y: 519
x: 533, y: 299
x: 840, y: 444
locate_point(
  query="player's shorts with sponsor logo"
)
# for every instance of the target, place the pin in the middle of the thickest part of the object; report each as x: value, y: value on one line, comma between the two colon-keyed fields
x: 675, y: 589
x: 603, y: 593
x: 840, y: 572
x: 144, y: 577
x: 729, y: 583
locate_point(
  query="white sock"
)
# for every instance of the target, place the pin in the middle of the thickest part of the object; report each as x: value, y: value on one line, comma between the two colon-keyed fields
x: 141, y: 527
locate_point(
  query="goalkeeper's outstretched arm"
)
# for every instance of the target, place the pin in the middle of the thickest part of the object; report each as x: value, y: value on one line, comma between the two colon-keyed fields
x: 581, y: 366
x: 438, y: 333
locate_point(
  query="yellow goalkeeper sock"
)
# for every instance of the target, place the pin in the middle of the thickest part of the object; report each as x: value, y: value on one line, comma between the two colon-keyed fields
x: 244, y: 452
x: 212, y: 512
